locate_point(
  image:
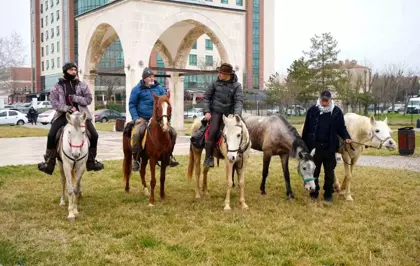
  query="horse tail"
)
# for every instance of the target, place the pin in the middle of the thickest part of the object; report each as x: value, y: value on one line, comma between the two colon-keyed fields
x: 190, y: 163
x: 127, y: 163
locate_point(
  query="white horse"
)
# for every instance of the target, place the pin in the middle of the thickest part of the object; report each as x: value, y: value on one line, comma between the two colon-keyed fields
x: 235, y: 148
x: 364, y: 131
x: 73, y: 151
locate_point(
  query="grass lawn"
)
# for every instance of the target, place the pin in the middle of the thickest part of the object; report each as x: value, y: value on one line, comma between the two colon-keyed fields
x: 381, y: 227
x: 21, y: 131
x: 109, y: 126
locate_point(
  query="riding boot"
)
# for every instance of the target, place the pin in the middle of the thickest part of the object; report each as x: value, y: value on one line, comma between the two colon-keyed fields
x: 92, y: 164
x: 136, y: 158
x: 172, y: 161
x: 209, y: 160
x: 49, y: 164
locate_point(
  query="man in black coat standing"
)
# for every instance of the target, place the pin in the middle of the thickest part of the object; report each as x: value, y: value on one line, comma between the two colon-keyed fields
x: 324, y: 121
x: 223, y: 97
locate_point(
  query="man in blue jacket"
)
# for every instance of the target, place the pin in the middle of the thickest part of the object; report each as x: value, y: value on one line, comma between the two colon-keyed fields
x: 141, y: 110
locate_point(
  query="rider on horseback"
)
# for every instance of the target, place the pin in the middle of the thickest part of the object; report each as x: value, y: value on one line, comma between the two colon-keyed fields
x: 223, y: 97
x: 141, y: 110
x: 70, y: 94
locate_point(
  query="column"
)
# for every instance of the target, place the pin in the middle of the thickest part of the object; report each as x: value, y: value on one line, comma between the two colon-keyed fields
x: 128, y: 88
x: 90, y: 81
x: 177, y: 102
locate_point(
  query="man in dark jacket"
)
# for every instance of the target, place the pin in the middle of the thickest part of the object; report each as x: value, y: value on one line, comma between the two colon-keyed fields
x: 223, y: 97
x: 141, y: 110
x: 324, y: 121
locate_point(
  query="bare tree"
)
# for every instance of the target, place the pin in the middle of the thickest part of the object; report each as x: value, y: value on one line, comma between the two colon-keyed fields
x: 12, y: 54
x: 110, y: 84
x: 279, y: 93
x: 203, y: 64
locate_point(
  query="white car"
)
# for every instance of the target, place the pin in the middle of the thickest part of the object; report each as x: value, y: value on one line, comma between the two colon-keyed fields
x: 43, y: 104
x: 46, y: 117
x: 194, y: 113
x: 12, y: 117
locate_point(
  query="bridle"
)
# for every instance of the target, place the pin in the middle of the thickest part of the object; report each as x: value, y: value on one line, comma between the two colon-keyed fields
x: 160, y: 118
x: 306, y: 180
x: 239, y: 150
x: 77, y: 147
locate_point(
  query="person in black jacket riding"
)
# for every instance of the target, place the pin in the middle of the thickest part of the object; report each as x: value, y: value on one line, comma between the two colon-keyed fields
x: 223, y: 97
x: 324, y: 121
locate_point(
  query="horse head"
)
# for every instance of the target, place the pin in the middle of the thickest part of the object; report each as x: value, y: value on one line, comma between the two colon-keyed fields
x: 162, y: 111
x: 236, y: 137
x: 75, y: 133
x: 380, y: 134
x: 306, y: 168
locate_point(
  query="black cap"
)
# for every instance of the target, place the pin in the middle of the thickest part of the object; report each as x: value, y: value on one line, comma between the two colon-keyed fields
x: 69, y: 65
x: 325, y: 94
x: 147, y: 72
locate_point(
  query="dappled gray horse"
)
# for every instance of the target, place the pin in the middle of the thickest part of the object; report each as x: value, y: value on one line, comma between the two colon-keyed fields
x: 274, y: 135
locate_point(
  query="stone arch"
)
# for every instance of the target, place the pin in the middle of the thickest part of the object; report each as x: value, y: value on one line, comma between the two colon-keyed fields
x: 161, y: 48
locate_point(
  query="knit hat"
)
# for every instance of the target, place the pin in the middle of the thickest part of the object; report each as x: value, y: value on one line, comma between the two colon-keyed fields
x: 147, y: 72
x: 69, y: 65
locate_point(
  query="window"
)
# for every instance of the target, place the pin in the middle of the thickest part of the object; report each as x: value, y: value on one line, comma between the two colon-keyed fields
x: 42, y: 51
x: 42, y: 36
x: 193, y: 59
x: 58, y: 61
x: 3, y: 114
x: 224, y: 1
x: 239, y: 2
x: 46, y: 20
x: 46, y: 49
x: 42, y: 65
x: 58, y: 31
x: 52, y: 48
x: 57, y: 2
x: 52, y: 63
x: 46, y: 5
x: 42, y: 23
x: 52, y: 32
x: 209, y: 60
x: 58, y: 47
x: 48, y: 64
x: 209, y: 44
x: 46, y: 35
x: 194, y: 45
x: 42, y: 7
x: 52, y: 17
x: 57, y: 15
x: 12, y: 113
x: 52, y: 3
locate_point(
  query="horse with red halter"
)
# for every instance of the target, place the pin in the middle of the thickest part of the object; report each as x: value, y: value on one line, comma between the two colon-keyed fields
x: 157, y: 147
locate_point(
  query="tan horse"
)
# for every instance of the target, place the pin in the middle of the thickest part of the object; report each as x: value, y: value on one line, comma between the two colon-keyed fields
x: 235, y: 149
x: 364, y: 131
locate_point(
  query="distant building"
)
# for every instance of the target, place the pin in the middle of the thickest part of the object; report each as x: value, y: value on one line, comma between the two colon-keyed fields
x: 17, y: 85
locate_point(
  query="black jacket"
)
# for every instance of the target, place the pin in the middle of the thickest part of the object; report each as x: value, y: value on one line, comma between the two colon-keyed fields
x: 338, y: 127
x: 224, y: 97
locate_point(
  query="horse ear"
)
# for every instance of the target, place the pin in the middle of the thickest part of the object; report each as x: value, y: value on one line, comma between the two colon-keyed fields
x: 313, y: 152
x: 68, y: 117
x: 168, y: 94
x: 224, y: 119
x: 155, y: 97
x: 386, y: 120
x: 238, y: 119
x: 301, y: 155
x: 372, y: 120
x: 84, y: 116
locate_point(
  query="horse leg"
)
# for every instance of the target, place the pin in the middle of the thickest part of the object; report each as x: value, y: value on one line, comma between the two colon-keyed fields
x: 266, y: 166
x: 241, y: 174
x: 143, y: 177
x: 153, y: 162
x: 63, y: 183
x: 337, y: 186
x: 197, y: 169
x: 285, y: 165
x: 349, y: 177
x: 229, y: 169
x: 77, y: 191
x: 70, y: 191
x: 163, y: 177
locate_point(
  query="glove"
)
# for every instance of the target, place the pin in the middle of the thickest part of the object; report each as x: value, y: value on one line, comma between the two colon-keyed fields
x: 71, y: 109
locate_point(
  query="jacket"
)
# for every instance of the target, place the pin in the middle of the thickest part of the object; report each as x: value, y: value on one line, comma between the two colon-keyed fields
x: 338, y: 127
x: 224, y: 97
x: 83, y: 97
x: 141, y: 100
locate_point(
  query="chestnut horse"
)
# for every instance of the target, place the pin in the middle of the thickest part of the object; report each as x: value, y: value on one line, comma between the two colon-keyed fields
x: 158, y: 146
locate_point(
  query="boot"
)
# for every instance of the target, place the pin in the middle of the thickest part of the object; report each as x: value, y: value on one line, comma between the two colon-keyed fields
x: 172, y: 161
x: 92, y: 164
x: 209, y: 160
x: 49, y: 164
x: 136, y: 159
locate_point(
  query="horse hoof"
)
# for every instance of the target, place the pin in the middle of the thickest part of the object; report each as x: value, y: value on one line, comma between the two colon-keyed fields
x: 62, y: 203
x: 146, y: 192
x: 245, y: 207
x: 76, y: 214
x: 342, y: 192
x: 349, y: 198
x: 197, y: 196
x: 151, y: 205
x: 227, y: 208
x: 291, y: 198
x: 263, y: 193
x: 71, y: 219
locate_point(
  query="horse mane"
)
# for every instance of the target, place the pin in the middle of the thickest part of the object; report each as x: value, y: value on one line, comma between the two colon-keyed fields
x: 298, y: 142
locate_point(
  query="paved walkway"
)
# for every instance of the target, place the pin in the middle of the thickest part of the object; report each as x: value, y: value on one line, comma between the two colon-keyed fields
x: 30, y: 150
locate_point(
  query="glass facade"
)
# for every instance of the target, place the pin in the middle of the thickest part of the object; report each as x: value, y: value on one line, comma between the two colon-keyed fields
x: 48, y: 81
x: 161, y: 80
x: 256, y: 44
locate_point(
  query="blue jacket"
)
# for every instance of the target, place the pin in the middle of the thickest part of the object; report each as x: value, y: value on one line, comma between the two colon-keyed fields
x: 141, y: 100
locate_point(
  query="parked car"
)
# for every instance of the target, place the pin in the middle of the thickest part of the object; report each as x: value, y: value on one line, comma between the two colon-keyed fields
x: 46, y: 117
x: 275, y: 110
x: 398, y: 107
x: 43, y: 104
x: 413, y: 106
x: 104, y: 115
x: 12, y: 117
x: 295, y: 110
x: 194, y: 113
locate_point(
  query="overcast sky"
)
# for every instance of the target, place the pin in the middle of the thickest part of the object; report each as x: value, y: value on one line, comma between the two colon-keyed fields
x: 380, y: 32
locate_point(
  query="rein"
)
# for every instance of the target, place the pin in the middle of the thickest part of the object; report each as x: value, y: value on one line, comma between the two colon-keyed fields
x: 75, y: 146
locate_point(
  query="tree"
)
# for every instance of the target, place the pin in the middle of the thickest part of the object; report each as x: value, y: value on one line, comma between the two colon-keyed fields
x: 299, y: 78
x: 12, y: 54
x: 110, y: 85
x: 203, y: 64
x: 278, y: 93
x: 322, y: 58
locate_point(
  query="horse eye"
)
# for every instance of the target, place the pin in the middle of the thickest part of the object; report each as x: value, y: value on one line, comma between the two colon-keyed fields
x: 304, y: 168
x: 239, y: 135
x: 377, y: 131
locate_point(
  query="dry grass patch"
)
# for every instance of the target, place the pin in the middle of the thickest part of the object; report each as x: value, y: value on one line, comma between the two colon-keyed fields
x: 379, y: 228
x: 21, y: 131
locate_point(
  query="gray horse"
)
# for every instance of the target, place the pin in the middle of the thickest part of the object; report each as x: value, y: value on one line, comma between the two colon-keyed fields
x: 274, y: 135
